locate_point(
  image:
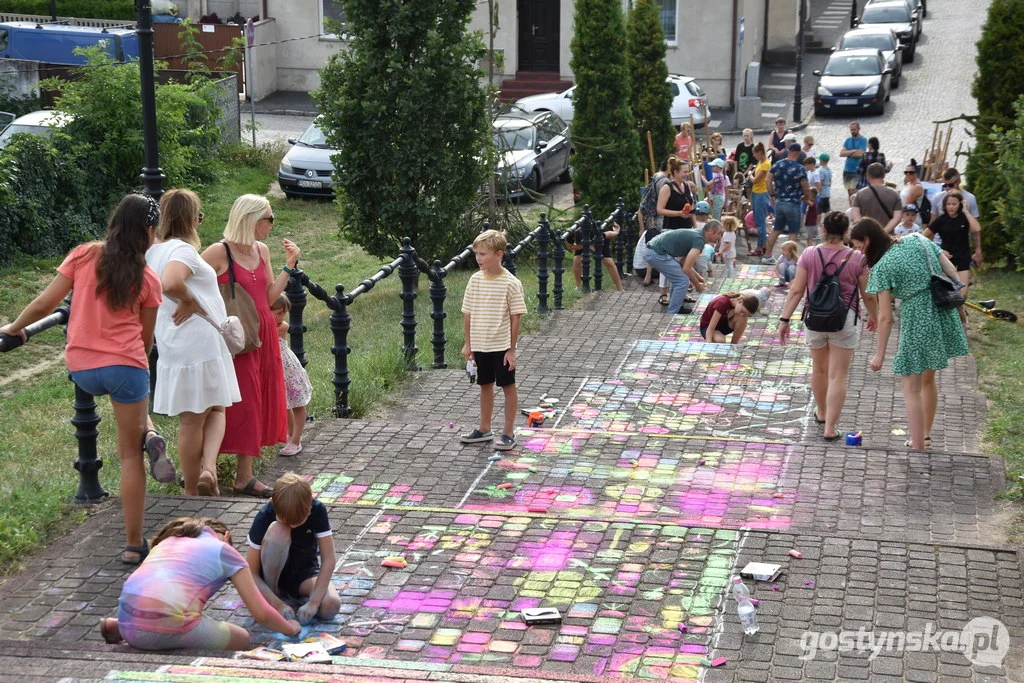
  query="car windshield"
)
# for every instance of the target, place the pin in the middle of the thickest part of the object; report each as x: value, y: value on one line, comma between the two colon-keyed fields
x: 314, y: 137
x: 513, y: 139
x: 842, y: 65
x: 5, y: 136
x: 877, y: 14
x: 872, y: 41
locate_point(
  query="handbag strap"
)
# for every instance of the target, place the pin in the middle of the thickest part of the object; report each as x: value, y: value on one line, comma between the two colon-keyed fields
x: 231, y: 267
x: 878, y: 199
x: 927, y: 256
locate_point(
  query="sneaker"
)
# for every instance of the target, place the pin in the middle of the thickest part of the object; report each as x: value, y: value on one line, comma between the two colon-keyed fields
x: 504, y: 443
x: 290, y: 449
x: 768, y: 261
x: 476, y: 436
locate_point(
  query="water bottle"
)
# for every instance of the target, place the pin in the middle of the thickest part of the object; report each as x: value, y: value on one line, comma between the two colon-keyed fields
x: 744, y: 607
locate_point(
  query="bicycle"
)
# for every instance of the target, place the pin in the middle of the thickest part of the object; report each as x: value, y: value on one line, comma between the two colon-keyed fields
x: 988, y: 309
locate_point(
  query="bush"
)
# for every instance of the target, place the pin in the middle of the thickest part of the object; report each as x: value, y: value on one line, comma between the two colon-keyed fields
x: 652, y: 95
x: 607, y: 164
x: 1009, y: 153
x: 405, y: 108
x: 85, y: 9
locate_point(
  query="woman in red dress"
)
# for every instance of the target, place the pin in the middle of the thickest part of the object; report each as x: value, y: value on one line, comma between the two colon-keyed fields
x: 261, y: 418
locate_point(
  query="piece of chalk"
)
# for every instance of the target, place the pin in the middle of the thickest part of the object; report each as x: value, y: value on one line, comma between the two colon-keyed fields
x: 796, y: 553
x: 506, y: 485
x: 494, y: 458
x: 536, y: 508
x: 780, y: 495
x: 719, y: 661
x: 704, y: 661
x: 634, y: 463
x: 533, y: 469
x: 808, y: 583
x: 755, y: 602
x: 395, y: 558
x: 451, y: 425
x: 394, y: 564
x: 701, y: 461
x: 682, y: 627
x: 775, y: 586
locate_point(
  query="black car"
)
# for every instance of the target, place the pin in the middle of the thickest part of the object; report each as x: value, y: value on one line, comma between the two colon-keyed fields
x: 894, y: 14
x: 853, y: 80
x: 876, y: 38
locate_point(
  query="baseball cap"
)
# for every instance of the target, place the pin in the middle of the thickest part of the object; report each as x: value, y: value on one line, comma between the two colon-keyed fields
x: 824, y: 156
x: 719, y: 163
x: 794, y: 147
x: 910, y: 207
x: 702, y: 207
x: 789, y: 136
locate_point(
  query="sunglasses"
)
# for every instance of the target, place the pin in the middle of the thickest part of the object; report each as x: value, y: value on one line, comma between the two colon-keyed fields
x: 201, y: 216
x: 269, y: 219
x: 909, y: 172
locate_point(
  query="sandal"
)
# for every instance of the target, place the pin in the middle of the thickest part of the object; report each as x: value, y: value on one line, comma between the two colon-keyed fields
x: 821, y: 422
x: 160, y: 466
x: 663, y: 299
x: 143, y: 552
x: 927, y: 443
x: 834, y: 437
x: 110, y: 631
x: 250, y: 490
x: 289, y: 450
x: 208, y: 486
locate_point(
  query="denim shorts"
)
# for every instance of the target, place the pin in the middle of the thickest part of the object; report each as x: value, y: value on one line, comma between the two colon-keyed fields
x: 787, y: 218
x: 124, y: 383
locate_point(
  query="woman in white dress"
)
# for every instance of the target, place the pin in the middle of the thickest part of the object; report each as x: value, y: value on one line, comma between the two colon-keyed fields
x: 195, y: 374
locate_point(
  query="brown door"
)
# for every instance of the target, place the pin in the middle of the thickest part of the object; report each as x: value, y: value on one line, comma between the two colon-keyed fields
x: 538, y: 35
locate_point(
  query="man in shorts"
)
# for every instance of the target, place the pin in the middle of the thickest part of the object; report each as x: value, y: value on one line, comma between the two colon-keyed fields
x: 787, y: 184
x: 854, y: 147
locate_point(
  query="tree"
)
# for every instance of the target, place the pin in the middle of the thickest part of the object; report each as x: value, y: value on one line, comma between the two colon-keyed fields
x: 607, y: 163
x: 1009, y: 149
x: 405, y: 106
x: 996, y: 88
x: 652, y: 95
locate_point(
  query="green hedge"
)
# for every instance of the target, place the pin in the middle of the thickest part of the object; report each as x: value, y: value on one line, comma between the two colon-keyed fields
x: 85, y: 9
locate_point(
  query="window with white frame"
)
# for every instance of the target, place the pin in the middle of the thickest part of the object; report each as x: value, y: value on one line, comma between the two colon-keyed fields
x: 331, y: 9
x: 668, y: 19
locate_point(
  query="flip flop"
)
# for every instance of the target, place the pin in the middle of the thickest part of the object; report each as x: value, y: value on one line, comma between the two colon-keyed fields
x: 110, y: 632
x: 160, y: 466
x: 834, y: 437
x: 142, y: 550
x: 250, y: 490
x: 821, y: 422
x: 208, y: 486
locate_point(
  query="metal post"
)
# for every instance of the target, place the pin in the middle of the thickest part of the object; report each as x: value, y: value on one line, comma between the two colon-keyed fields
x: 88, y: 462
x: 296, y: 328
x: 438, y: 293
x: 798, y: 91
x: 558, y: 255
x: 408, y: 273
x: 341, y: 323
x: 853, y: 13
x: 629, y: 238
x: 598, y: 255
x: 542, y: 264
x: 508, y: 261
x: 620, y: 218
x: 152, y: 176
x: 585, y: 242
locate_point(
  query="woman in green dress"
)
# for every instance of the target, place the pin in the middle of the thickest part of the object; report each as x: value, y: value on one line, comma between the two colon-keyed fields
x: 929, y: 336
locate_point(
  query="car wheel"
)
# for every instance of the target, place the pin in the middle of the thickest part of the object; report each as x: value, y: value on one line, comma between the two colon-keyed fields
x: 896, y: 80
x: 819, y: 112
x: 289, y: 195
x: 532, y: 186
x: 566, y: 176
x: 909, y: 57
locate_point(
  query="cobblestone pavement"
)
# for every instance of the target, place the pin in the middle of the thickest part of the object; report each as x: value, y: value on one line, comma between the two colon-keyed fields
x: 670, y: 465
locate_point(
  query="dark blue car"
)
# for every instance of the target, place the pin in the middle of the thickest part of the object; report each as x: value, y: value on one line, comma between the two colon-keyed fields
x: 853, y: 81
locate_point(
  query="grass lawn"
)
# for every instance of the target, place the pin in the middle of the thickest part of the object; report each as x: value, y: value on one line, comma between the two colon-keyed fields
x: 37, y: 447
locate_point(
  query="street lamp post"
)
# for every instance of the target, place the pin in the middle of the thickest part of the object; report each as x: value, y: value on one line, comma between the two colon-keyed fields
x: 853, y: 13
x: 152, y: 176
x: 798, y: 91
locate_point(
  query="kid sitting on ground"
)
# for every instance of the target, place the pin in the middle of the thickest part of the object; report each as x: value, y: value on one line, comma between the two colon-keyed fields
x: 786, y: 267
x: 492, y: 308
x: 727, y: 245
x: 161, y: 603
x: 640, y: 266
x: 284, y: 540
x: 297, y: 388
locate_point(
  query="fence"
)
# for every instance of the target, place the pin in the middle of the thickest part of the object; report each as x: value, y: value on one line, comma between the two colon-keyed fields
x: 586, y: 232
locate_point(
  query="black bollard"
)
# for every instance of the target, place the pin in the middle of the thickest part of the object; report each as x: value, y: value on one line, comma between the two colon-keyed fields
x: 542, y: 264
x: 408, y: 274
x: 88, y: 462
x: 586, y: 234
x: 629, y: 237
x: 341, y: 323
x: 598, y: 255
x: 558, y: 255
x: 438, y: 293
x: 620, y: 251
x: 296, y: 294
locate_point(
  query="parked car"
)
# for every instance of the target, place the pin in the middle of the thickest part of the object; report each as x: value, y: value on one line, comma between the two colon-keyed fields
x: 896, y: 15
x: 688, y: 99
x: 42, y: 122
x: 534, y: 150
x: 916, y: 11
x: 307, y: 169
x: 853, y: 80
x: 876, y: 38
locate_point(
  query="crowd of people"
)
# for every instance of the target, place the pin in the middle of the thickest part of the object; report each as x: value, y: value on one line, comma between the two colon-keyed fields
x: 885, y: 247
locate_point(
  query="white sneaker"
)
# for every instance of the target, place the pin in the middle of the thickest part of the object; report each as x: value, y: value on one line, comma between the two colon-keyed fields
x: 768, y: 261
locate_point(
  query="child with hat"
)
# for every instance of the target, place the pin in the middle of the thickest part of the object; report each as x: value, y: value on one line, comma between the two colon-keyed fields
x: 909, y: 224
x: 716, y: 187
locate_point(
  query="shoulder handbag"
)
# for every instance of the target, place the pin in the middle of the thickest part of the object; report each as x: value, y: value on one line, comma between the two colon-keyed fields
x: 239, y: 305
x: 230, y: 329
x: 946, y: 292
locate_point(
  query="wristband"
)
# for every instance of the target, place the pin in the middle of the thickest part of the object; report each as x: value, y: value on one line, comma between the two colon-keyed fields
x: 290, y: 271
x: 784, y: 320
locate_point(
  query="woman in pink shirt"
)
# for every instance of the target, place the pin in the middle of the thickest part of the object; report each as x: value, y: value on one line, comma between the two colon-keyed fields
x: 110, y: 334
x: 831, y: 352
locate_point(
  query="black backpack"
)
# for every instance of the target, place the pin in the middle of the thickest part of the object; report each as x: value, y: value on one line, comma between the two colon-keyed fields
x: 825, y: 310
x: 649, y: 203
x: 924, y: 209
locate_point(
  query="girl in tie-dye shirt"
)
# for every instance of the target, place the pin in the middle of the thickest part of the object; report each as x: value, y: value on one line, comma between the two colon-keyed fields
x: 161, y: 604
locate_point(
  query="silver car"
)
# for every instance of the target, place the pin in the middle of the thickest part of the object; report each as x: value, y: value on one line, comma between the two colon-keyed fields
x: 307, y: 169
x: 533, y: 150
x: 42, y: 122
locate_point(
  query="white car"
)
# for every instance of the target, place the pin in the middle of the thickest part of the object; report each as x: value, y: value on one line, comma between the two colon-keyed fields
x: 42, y: 122
x: 688, y: 99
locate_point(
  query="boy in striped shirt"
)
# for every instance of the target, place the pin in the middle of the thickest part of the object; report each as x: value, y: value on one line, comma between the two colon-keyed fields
x: 492, y: 308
